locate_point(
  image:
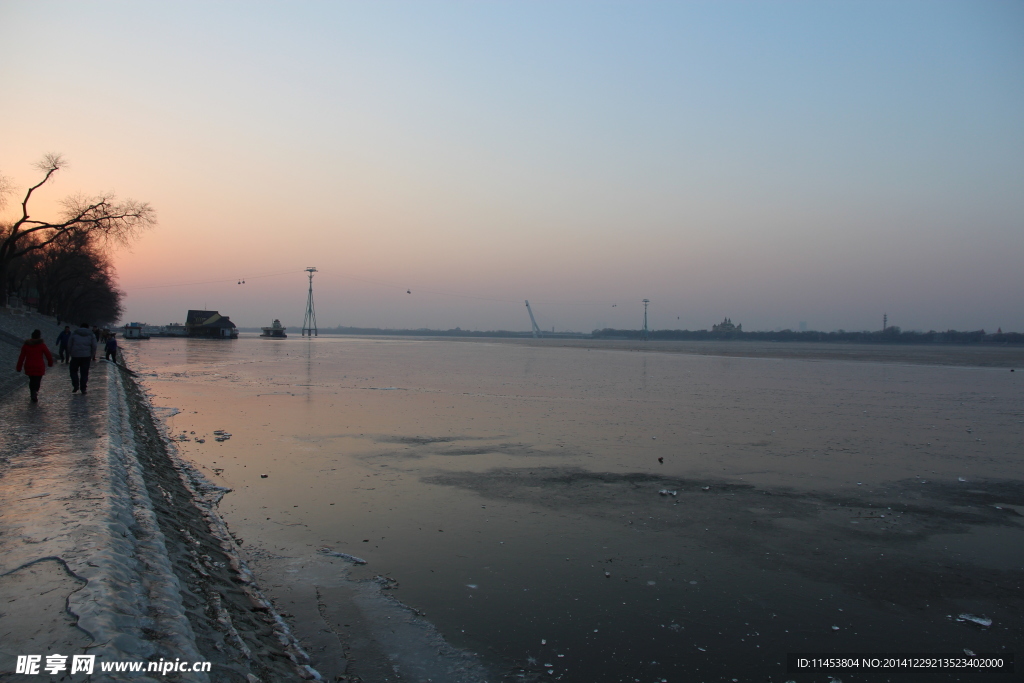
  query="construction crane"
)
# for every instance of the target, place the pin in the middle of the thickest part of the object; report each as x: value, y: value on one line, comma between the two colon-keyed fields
x: 536, y: 330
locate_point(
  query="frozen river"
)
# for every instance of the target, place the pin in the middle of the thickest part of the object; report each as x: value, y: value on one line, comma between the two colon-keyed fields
x: 607, y: 515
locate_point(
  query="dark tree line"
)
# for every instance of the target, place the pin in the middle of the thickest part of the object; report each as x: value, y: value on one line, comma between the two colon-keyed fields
x: 891, y: 335
x: 71, y: 278
x: 61, y: 266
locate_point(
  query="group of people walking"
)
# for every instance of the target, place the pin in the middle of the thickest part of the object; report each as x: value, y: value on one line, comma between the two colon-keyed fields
x: 77, y: 349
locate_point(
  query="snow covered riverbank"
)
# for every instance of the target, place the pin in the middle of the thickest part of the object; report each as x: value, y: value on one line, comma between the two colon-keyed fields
x: 109, y: 546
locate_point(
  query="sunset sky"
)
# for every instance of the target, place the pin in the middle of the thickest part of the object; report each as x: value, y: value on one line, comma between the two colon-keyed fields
x: 774, y: 162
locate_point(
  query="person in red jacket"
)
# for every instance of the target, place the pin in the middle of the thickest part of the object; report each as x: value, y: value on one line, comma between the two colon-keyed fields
x: 33, y: 351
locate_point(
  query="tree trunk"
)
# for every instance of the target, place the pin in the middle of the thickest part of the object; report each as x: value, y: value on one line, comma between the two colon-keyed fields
x: 3, y: 283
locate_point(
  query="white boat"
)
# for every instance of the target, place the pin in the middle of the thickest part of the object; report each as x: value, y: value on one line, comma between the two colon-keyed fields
x: 171, y: 330
x: 275, y: 331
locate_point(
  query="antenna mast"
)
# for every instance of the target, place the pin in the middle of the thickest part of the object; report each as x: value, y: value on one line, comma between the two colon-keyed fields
x: 309, y: 322
x: 645, y: 334
x: 536, y: 330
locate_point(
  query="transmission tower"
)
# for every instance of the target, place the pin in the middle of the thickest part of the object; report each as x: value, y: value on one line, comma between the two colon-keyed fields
x: 309, y: 322
x: 644, y: 335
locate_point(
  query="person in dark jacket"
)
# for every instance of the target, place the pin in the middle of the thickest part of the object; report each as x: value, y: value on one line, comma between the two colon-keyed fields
x: 82, y: 348
x: 62, y: 345
x: 33, y: 351
x: 110, y: 347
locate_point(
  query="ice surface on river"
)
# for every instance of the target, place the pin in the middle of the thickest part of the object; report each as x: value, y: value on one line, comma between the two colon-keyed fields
x: 530, y: 472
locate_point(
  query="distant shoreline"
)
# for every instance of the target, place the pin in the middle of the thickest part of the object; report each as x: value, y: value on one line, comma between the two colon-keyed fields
x: 975, y: 355
x: 985, y: 355
x: 892, y: 336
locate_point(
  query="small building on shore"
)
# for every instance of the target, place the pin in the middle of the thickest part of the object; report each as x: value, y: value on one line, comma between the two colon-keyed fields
x: 135, y: 331
x: 209, y: 325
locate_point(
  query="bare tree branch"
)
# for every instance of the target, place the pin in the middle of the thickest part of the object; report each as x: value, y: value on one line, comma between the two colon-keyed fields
x: 6, y: 189
x: 51, y: 162
x: 101, y: 217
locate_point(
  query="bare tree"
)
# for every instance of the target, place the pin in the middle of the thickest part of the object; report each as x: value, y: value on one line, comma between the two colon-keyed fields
x: 101, y: 217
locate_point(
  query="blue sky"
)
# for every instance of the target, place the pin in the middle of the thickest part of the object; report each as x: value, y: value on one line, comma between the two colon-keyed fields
x: 775, y: 162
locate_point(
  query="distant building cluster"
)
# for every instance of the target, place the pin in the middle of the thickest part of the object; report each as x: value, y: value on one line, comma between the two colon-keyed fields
x: 203, y: 324
x: 726, y: 326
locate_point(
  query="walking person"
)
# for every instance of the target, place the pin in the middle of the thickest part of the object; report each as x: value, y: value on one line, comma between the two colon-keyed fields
x: 62, y: 345
x: 82, y: 348
x: 110, y: 347
x: 33, y: 351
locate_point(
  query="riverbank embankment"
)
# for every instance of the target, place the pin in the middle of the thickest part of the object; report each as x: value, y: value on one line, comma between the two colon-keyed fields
x: 110, y: 547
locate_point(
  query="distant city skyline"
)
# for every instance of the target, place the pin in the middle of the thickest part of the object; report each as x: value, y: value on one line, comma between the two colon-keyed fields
x: 778, y: 163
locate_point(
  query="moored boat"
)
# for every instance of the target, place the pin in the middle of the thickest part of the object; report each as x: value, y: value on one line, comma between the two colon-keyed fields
x: 275, y: 331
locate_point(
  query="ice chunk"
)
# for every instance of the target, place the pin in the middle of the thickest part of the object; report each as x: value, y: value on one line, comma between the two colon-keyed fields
x: 980, y: 621
x: 345, y: 556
